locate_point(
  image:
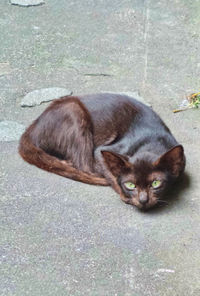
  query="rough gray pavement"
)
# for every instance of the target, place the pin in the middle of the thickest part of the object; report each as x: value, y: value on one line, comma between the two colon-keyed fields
x: 60, y: 237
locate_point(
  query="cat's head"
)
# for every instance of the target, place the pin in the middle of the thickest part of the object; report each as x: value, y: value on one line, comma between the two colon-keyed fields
x: 143, y: 181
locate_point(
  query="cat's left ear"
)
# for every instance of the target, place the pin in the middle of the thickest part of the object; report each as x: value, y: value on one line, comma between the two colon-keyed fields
x: 116, y: 163
x: 173, y: 160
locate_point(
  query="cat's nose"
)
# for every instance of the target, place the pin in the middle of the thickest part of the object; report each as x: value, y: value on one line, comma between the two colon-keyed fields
x: 143, y: 198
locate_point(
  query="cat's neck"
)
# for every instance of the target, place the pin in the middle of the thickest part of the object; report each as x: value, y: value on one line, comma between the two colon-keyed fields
x: 151, y: 149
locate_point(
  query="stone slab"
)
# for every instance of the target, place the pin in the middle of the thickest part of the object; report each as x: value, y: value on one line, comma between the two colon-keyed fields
x: 40, y: 96
x: 27, y: 2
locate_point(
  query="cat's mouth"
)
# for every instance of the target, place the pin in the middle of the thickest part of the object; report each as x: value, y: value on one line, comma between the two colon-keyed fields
x: 149, y: 204
x: 142, y: 207
x: 152, y: 205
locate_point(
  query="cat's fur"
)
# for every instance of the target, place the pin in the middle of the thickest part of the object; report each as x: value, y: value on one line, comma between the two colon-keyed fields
x: 105, y: 139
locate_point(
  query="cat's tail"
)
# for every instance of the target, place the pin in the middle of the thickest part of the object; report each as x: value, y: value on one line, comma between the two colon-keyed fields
x: 38, y: 157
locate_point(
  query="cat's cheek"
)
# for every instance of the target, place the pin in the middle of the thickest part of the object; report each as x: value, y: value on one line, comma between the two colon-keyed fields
x: 152, y: 203
x: 124, y: 198
x: 153, y: 199
x: 131, y: 200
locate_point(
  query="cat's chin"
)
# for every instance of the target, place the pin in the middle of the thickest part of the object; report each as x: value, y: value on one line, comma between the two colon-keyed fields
x: 141, y: 207
x: 145, y: 208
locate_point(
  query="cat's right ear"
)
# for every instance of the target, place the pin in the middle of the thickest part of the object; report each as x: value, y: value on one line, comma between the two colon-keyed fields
x: 116, y: 163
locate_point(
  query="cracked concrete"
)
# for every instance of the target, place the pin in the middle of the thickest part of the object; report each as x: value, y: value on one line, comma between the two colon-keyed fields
x: 60, y: 237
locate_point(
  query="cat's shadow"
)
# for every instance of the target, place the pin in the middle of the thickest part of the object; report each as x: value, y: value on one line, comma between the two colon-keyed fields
x: 173, y: 195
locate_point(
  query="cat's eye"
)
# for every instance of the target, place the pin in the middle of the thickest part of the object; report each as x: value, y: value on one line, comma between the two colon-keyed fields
x: 156, y: 183
x: 129, y: 185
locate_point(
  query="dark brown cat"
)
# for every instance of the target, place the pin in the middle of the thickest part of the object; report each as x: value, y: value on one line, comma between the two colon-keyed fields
x: 106, y: 139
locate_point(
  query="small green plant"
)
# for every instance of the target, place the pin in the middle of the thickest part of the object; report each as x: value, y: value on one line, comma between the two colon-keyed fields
x: 193, y: 102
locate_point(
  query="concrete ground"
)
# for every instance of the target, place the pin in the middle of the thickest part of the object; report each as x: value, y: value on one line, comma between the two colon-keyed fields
x: 60, y: 237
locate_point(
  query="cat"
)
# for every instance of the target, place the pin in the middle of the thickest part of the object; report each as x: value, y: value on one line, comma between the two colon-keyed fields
x: 106, y: 139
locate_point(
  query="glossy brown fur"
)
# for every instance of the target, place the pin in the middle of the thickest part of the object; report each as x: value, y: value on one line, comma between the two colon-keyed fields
x: 104, y: 139
x: 62, y: 140
x: 47, y: 143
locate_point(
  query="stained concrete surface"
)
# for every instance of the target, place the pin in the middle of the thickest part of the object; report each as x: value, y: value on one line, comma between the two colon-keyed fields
x: 60, y: 237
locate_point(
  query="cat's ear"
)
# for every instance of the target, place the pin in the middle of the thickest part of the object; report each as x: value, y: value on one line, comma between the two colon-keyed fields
x: 173, y: 160
x: 116, y: 163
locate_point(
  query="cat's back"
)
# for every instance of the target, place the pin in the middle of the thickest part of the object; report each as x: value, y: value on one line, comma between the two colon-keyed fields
x: 110, y: 111
x: 120, y: 107
x: 107, y: 101
x: 134, y: 122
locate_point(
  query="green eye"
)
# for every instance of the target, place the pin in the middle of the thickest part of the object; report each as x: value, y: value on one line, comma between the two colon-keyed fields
x: 129, y: 185
x: 156, y: 183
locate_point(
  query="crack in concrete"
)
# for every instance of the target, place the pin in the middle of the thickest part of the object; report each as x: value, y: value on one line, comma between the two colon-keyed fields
x: 146, y: 31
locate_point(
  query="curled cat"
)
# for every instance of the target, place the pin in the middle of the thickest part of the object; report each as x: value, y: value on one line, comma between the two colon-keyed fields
x: 106, y: 139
